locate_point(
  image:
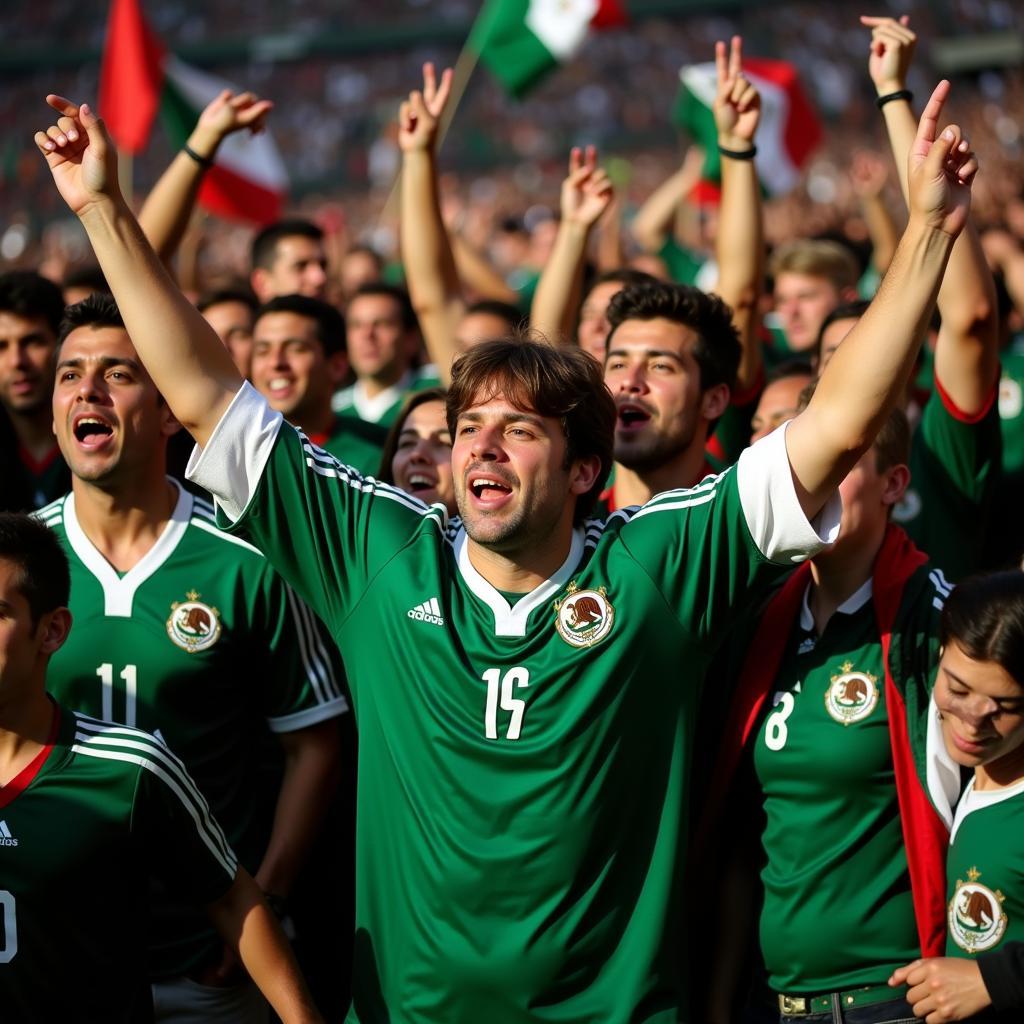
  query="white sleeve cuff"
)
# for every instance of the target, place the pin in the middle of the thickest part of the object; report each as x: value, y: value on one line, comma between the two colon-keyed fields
x: 774, y: 517
x: 231, y: 464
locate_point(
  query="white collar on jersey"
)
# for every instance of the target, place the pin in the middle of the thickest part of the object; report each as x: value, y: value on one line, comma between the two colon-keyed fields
x: 976, y: 799
x: 119, y: 591
x: 373, y: 408
x: 853, y: 603
x: 510, y: 620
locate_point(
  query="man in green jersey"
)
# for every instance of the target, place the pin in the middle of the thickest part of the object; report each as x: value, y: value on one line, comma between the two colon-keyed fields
x: 87, y: 810
x: 298, y: 358
x: 383, y: 349
x: 524, y: 736
x: 185, y: 636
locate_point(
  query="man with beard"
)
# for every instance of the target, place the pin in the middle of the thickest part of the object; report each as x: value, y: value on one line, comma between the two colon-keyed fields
x: 525, y: 738
x: 672, y: 357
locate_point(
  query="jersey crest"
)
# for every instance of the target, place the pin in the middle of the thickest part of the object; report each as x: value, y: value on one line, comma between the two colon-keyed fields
x: 1011, y: 399
x: 852, y: 695
x: 908, y: 507
x: 193, y: 625
x: 584, y: 617
x: 976, y: 919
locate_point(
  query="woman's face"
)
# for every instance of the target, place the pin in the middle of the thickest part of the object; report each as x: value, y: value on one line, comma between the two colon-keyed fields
x: 422, y: 464
x: 982, y: 708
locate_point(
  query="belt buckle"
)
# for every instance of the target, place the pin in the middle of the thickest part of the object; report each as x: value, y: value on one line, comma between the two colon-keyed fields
x: 794, y: 1006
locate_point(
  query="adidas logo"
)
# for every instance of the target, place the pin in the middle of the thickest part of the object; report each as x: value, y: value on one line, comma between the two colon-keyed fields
x: 429, y: 611
x: 6, y: 839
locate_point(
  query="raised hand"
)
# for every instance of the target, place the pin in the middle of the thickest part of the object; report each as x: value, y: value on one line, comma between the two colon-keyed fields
x: 420, y: 115
x: 868, y: 174
x: 737, y: 106
x: 941, y: 170
x: 231, y: 112
x: 80, y: 155
x: 587, y: 190
x: 892, y: 50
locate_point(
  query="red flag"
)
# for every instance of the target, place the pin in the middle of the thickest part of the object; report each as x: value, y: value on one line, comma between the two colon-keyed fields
x: 131, y: 76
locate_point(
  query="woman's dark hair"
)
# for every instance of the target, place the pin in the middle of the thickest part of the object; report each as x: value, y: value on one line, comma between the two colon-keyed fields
x: 413, y: 401
x: 984, y: 616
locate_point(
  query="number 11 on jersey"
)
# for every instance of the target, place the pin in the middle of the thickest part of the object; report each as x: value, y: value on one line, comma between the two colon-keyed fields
x: 500, y: 690
x: 128, y: 674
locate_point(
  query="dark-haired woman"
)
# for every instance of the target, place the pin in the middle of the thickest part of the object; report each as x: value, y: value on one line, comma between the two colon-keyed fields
x: 979, y: 692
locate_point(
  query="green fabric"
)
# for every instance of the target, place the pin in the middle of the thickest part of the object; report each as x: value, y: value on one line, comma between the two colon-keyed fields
x: 270, y: 665
x: 508, y: 49
x: 522, y: 801
x: 343, y: 403
x: 985, y: 872
x: 954, y: 470
x: 683, y: 264
x: 106, y: 810
x: 833, y: 840
x: 357, y: 443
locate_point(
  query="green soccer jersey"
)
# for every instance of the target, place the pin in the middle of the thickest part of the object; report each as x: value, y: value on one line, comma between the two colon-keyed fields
x: 833, y: 840
x: 522, y: 768
x: 108, y: 807
x: 985, y: 871
x: 954, y: 470
x: 383, y: 409
x: 204, y: 645
x: 358, y: 443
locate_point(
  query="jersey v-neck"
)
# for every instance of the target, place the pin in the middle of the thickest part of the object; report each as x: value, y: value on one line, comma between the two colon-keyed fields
x: 510, y: 620
x: 119, y: 589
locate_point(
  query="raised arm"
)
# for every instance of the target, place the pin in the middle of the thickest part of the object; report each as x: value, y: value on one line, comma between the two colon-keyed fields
x: 586, y: 193
x: 739, y: 248
x: 653, y: 222
x: 868, y: 177
x: 864, y: 378
x: 185, y: 358
x: 426, y: 250
x: 966, y: 355
x: 166, y: 212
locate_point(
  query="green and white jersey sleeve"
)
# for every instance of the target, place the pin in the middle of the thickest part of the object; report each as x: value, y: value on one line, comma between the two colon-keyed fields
x: 109, y: 807
x: 711, y: 548
x: 954, y: 469
x: 985, y: 871
x: 341, y: 527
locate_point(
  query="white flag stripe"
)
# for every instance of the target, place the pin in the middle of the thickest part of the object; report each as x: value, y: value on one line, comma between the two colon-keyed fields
x: 561, y: 25
x: 774, y: 166
x: 434, y: 606
x: 5, y: 830
x: 253, y: 157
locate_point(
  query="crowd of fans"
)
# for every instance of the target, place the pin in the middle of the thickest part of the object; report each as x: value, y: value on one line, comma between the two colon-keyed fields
x: 666, y: 551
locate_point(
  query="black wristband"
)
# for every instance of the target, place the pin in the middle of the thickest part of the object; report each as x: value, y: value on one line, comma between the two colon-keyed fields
x: 738, y: 154
x: 899, y: 94
x: 203, y: 161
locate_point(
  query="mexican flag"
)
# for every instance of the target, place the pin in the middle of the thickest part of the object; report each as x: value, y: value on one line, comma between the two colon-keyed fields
x: 248, y: 180
x: 520, y: 41
x: 787, y: 135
